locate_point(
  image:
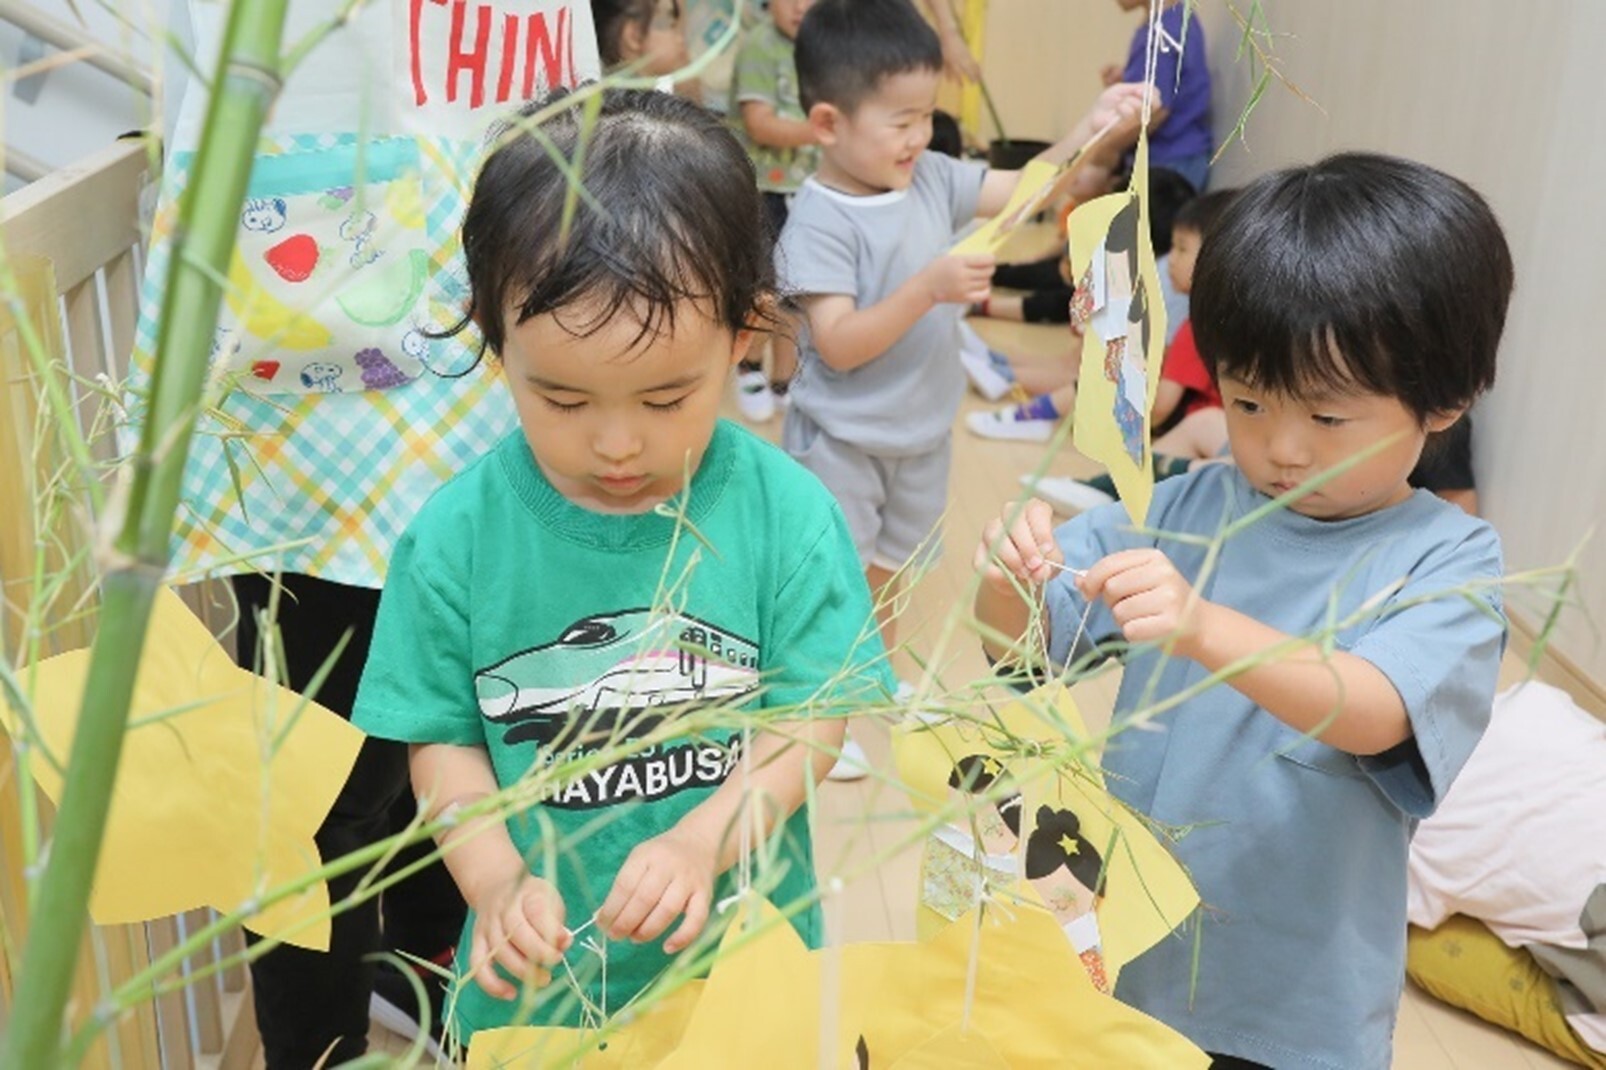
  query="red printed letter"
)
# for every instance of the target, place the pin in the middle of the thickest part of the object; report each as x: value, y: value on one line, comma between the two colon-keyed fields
x: 510, y: 42
x: 540, y: 41
x: 473, y: 61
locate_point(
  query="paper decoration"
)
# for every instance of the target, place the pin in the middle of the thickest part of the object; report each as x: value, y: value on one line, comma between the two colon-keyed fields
x: 200, y: 815
x: 1050, y: 837
x: 895, y: 1005
x: 1038, y: 181
x: 1124, y: 327
x: 1041, y: 185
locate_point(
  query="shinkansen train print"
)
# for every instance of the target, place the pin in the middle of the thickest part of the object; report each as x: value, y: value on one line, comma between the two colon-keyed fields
x: 615, y: 676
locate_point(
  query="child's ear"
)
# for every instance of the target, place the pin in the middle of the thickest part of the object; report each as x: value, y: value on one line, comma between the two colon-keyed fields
x: 633, y: 40
x: 742, y: 345
x: 1443, y: 421
x: 826, y: 121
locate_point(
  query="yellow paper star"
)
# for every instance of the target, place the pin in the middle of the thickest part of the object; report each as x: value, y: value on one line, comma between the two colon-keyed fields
x: 213, y: 805
x: 893, y: 1005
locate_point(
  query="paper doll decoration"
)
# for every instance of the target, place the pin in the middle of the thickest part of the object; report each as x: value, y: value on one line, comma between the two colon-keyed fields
x: 1041, y: 186
x: 1119, y: 307
x: 214, y: 804
x: 1019, y: 829
x: 901, y: 1006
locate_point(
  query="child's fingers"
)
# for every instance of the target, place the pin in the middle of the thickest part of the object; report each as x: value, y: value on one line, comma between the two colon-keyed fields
x: 669, y: 907
x: 1039, y: 517
x: 692, y: 927
x: 482, y: 960
x: 637, y: 904
x: 1093, y: 584
x: 532, y: 941
x: 996, y: 552
x: 543, y: 908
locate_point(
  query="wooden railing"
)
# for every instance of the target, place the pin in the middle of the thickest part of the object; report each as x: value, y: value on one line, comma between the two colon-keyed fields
x: 70, y: 269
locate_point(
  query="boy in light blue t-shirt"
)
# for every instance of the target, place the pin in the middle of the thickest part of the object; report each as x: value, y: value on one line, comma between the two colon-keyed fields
x: 1356, y: 621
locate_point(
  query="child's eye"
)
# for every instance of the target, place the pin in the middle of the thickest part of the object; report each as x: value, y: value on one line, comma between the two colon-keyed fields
x: 665, y: 406
x: 559, y: 406
x: 1244, y: 405
x: 1330, y: 421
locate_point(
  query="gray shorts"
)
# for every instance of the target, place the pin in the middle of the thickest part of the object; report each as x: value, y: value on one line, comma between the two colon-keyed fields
x: 893, y: 505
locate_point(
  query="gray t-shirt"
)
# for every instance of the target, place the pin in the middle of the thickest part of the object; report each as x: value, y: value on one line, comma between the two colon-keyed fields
x: 904, y: 401
x: 1298, y: 849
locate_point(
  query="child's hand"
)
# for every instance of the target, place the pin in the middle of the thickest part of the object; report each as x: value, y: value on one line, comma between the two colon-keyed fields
x: 1022, y: 550
x: 1120, y: 104
x: 1148, y: 597
x: 964, y: 280
x: 520, y: 928
x: 1110, y: 73
x: 665, y: 877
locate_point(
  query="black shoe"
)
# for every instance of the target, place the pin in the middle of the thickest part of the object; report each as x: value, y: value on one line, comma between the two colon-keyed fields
x: 394, y: 1004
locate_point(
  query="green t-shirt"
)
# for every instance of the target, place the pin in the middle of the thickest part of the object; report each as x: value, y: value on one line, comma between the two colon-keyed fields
x: 514, y: 620
x: 766, y: 71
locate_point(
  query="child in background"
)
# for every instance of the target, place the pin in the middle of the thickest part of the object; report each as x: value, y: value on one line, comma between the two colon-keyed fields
x: 1179, y: 124
x: 515, y: 630
x: 781, y: 142
x: 706, y: 22
x: 865, y: 255
x: 1322, y: 301
x: 645, y: 33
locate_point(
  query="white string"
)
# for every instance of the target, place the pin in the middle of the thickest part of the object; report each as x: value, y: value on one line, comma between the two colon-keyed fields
x: 1087, y: 610
x: 1151, y: 58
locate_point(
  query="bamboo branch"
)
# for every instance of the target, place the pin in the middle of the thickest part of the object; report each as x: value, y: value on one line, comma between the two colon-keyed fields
x: 134, y: 564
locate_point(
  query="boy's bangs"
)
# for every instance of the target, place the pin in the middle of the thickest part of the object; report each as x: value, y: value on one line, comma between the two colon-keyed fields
x: 1279, y: 322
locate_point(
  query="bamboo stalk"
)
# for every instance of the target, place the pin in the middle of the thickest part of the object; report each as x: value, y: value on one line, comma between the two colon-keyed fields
x: 133, y: 567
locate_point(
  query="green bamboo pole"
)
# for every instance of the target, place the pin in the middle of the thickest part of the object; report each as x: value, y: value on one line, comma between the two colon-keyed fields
x: 133, y: 568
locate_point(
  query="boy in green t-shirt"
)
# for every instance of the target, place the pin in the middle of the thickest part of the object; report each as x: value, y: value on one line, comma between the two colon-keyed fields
x: 775, y: 128
x: 650, y: 618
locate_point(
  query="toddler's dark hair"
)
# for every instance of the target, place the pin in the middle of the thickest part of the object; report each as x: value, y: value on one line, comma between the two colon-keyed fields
x: 1202, y: 212
x: 1169, y: 191
x: 946, y: 137
x: 1361, y: 270
x: 845, y: 48
x: 610, y: 17
x: 670, y: 212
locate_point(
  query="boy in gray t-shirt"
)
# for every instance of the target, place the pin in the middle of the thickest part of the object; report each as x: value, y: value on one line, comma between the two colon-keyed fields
x: 864, y: 254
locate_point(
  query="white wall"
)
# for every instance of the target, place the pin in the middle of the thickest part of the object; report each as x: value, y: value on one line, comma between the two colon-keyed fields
x: 1507, y: 97
x: 78, y: 108
x: 1042, y: 60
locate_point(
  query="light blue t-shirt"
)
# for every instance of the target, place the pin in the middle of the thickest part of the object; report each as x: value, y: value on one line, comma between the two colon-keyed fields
x: 903, y: 402
x: 1298, y: 849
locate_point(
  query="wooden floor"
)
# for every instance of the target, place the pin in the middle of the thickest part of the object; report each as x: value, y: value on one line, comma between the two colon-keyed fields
x: 865, y: 821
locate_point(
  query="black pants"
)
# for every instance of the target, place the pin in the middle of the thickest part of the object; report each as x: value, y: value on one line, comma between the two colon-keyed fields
x: 307, y: 1001
x: 1048, y: 299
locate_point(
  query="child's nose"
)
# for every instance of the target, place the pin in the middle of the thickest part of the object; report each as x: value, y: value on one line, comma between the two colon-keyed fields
x: 1288, y: 447
x: 617, y: 441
